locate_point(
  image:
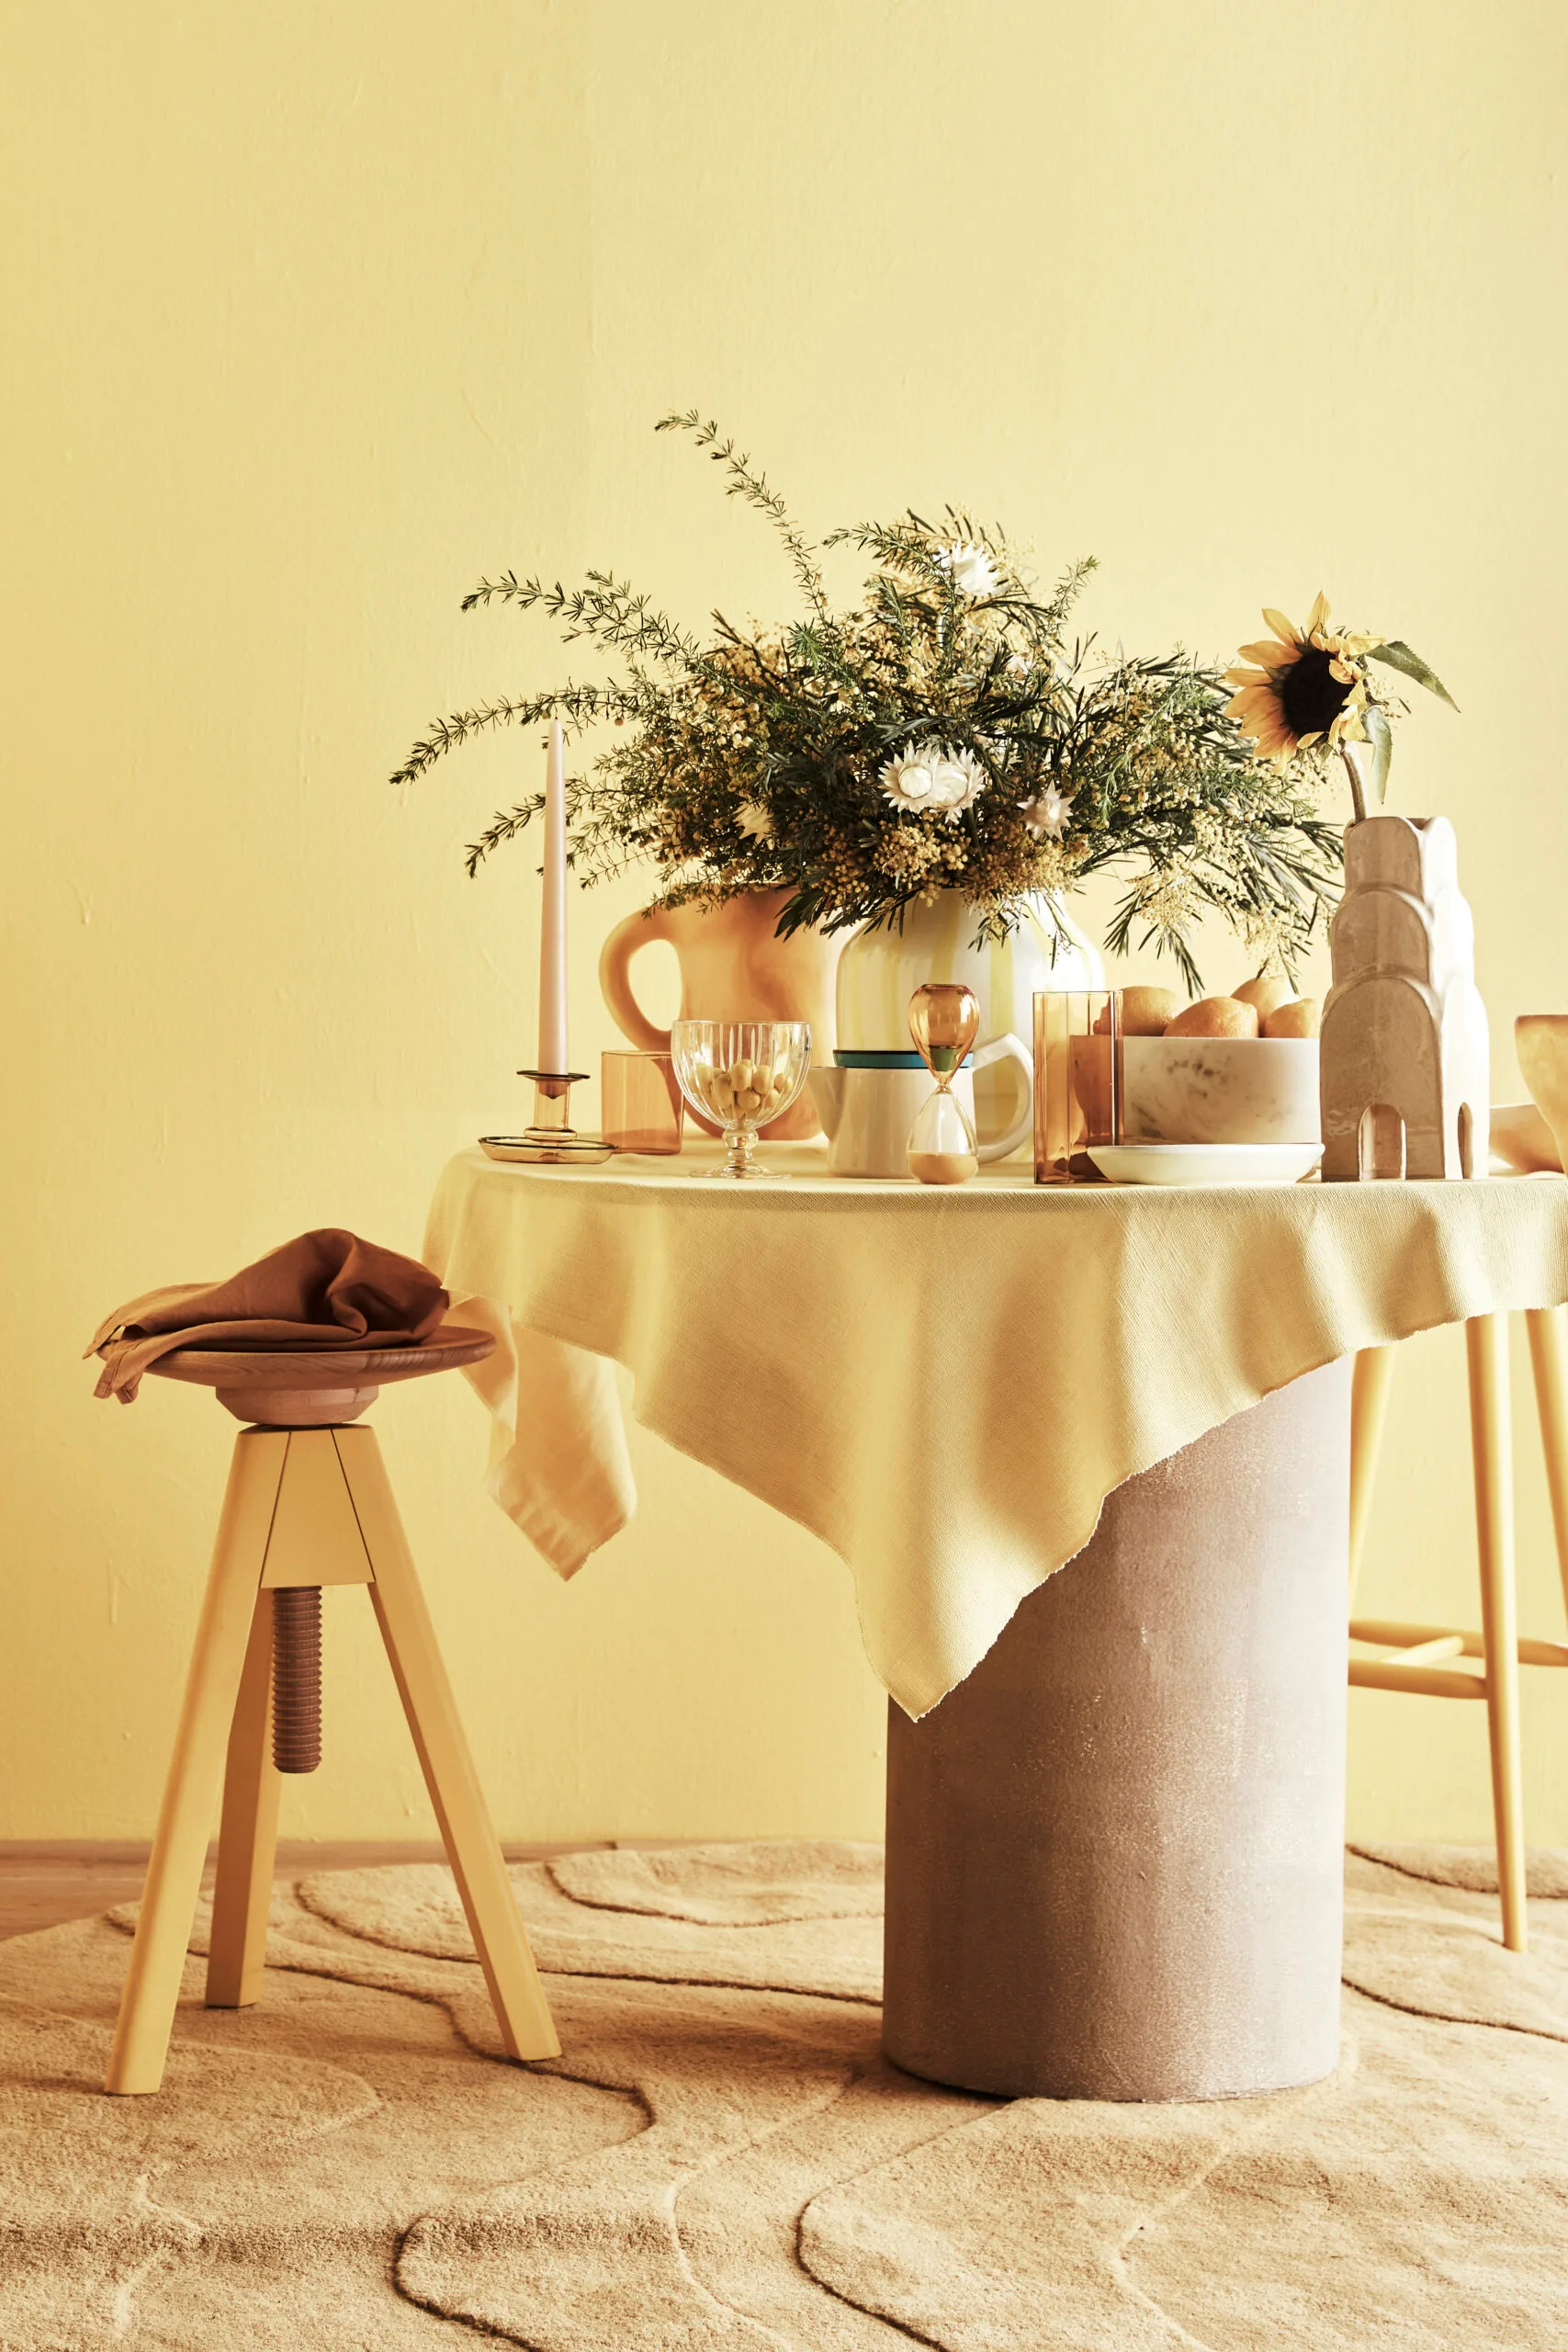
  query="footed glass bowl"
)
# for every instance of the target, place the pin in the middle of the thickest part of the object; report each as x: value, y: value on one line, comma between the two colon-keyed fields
x: 741, y: 1074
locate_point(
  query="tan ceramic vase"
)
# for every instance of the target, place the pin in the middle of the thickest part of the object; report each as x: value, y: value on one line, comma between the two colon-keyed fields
x: 733, y: 967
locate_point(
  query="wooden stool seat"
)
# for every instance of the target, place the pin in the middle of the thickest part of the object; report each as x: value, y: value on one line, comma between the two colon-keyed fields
x: 308, y: 1388
x: 309, y: 1505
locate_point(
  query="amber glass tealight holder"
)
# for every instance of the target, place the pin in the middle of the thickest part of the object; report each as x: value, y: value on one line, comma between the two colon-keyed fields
x: 643, y: 1109
x: 1077, y: 1082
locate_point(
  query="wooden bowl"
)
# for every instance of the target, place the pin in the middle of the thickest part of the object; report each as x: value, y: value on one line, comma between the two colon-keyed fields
x: 1522, y: 1140
x: 1541, y: 1040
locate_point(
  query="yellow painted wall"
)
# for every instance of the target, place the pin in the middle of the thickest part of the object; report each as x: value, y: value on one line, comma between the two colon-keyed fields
x: 316, y: 312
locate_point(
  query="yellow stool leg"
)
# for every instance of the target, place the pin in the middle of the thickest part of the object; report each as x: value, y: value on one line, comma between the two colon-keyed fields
x: 473, y: 1849
x: 1549, y: 1362
x: 179, y: 1847
x: 1486, y: 1347
x: 247, y: 1839
x: 1369, y: 1409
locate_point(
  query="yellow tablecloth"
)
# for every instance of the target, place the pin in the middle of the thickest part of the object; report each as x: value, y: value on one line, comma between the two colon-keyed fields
x: 942, y: 1384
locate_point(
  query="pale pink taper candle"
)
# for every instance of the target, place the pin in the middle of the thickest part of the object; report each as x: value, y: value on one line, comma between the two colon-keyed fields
x: 552, y: 935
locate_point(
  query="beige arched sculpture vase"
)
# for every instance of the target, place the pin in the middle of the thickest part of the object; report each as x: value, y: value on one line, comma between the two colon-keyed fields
x: 1405, y: 1065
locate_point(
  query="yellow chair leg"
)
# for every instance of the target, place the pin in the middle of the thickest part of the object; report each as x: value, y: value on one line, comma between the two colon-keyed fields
x: 179, y: 1847
x: 247, y: 1839
x: 1369, y: 1409
x: 472, y: 1848
x: 1549, y: 1362
x: 1486, y: 1348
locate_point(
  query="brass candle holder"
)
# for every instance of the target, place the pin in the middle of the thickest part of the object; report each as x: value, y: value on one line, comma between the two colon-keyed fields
x: 551, y: 1141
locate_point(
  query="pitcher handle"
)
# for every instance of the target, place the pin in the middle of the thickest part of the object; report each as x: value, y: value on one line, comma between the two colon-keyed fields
x: 993, y: 1050
x: 614, y: 978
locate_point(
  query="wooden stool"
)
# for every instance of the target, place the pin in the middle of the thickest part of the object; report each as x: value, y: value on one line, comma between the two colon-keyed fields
x: 307, y: 1504
x: 1413, y: 1663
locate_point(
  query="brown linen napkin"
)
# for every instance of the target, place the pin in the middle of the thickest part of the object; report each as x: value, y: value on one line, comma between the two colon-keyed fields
x: 326, y: 1289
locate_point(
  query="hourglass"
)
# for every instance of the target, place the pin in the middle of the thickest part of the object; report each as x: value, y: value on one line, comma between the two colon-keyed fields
x: 945, y: 1020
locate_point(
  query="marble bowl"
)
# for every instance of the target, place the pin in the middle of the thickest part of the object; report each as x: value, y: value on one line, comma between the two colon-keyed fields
x: 1220, y: 1089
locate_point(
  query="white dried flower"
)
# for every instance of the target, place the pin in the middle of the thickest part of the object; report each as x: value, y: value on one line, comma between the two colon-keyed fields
x: 970, y: 567
x: 932, y: 775
x: 755, y: 821
x: 1046, y: 814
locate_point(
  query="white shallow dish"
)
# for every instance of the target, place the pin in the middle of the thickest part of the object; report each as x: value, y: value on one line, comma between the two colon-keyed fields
x: 1205, y: 1163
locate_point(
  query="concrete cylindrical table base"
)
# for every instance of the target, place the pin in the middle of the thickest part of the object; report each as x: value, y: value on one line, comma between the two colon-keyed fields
x: 1114, y: 1853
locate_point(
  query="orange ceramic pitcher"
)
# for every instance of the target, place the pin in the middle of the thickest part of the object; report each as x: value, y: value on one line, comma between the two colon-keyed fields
x: 733, y: 967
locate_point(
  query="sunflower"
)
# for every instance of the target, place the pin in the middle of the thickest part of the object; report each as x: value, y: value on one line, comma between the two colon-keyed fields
x: 1310, y: 686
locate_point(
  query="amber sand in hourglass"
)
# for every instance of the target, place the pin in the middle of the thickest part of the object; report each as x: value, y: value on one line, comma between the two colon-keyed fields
x: 945, y: 1020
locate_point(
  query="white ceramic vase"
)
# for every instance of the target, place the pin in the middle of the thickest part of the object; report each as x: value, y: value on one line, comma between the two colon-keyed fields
x: 884, y: 964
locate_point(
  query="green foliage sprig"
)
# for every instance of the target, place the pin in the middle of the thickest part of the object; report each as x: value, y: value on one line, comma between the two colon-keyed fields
x: 942, y: 733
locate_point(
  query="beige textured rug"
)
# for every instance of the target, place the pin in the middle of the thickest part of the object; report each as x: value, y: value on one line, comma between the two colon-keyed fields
x: 721, y: 2159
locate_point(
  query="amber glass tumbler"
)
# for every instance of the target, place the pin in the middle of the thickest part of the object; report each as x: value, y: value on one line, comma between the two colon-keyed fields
x: 642, y: 1109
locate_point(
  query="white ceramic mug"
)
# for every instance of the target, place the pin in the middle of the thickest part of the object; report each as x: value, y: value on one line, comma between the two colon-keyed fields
x: 867, y: 1114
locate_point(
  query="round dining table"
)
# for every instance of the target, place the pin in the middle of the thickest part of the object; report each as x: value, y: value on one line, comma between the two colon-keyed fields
x: 1084, y: 1450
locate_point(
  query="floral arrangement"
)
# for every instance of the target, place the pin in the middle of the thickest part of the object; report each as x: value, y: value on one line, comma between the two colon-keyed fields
x: 943, y: 733
x: 1313, y: 695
